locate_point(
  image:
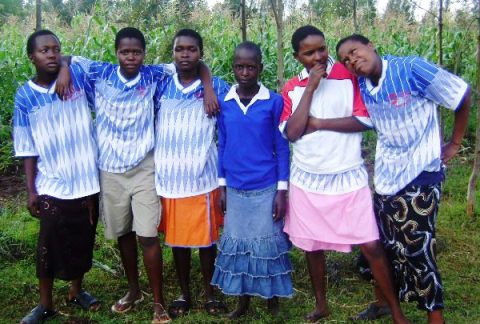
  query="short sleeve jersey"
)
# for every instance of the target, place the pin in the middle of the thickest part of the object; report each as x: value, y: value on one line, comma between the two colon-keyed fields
x: 185, y: 149
x: 402, y: 108
x: 327, y: 162
x: 124, y: 112
x: 60, y: 134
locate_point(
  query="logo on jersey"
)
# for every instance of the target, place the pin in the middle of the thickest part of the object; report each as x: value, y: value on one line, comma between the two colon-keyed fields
x: 399, y: 99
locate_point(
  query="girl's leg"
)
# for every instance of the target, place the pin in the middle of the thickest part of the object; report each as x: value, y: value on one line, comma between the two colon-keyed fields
x: 182, y: 258
x: 127, y: 245
x: 242, y: 307
x: 46, y: 290
x: 436, y: 317
x: 207, y: 265
x: 375, y: 255
x: 273, y: 306
x: 316, y: 268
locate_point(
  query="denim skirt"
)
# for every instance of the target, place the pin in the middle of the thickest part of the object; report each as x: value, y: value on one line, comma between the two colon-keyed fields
x: 253, y: 250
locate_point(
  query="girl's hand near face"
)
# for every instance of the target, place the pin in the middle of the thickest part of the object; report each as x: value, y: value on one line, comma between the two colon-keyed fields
x: 63, y: 86
x: 279, y: 205
x: 210, y: 102
x: 317, y: 72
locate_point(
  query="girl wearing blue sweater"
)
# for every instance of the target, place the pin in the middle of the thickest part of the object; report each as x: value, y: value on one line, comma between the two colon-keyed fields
x: 253, y: 174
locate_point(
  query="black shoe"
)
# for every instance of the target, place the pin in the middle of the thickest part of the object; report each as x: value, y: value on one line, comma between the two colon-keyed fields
x: 38, y: 315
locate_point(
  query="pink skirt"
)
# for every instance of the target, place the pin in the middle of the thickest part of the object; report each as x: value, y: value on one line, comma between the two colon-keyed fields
x: 330, y: 222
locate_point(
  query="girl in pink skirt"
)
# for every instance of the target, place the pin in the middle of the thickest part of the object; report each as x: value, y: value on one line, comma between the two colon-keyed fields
x: 330, y: 205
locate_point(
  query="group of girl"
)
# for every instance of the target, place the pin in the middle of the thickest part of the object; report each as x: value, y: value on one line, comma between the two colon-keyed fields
x: 240, y: 178
x: 330, y: 205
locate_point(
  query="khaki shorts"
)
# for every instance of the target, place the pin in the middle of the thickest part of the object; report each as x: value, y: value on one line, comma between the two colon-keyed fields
x: 129, y: 201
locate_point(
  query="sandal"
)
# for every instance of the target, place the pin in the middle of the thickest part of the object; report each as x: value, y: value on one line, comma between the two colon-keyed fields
x: 161, y: 317
x: 179, y: 307
x: 215, y: 307
x: 86, y: 301
x: 123, y: 306
x: 372, y: 312
x: 38, y: 315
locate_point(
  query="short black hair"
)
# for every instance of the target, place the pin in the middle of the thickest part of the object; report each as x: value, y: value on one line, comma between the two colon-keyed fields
x: 354, y: 37
x: 129, y: 32
x: 250, y: 46
x: 303, y: 32
x: 190, y: 33
x: 32, y: 38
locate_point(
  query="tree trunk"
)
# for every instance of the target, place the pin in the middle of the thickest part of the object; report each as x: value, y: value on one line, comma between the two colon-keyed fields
x: 277, y: 8
x: 244, y: 21
x: 38, y: 14
x: 440, y: 111
x: 355, y: 23
x: 476, y: 165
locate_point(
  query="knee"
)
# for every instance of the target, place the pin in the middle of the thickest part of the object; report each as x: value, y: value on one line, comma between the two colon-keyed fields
x: 372, y: 250
x: 147, y: 242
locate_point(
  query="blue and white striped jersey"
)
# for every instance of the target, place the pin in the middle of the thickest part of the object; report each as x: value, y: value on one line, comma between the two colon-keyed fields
x: 124, y: 112
x: 402, y: 108
x: 185, y: 149
x: 60, y: 134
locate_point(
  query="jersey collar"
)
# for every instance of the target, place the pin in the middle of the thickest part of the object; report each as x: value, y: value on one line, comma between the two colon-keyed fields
x: 374, y: 89
x: 187, y: 89
x: 50, y: 90
x: 262, y: 94
x: 128, y: 83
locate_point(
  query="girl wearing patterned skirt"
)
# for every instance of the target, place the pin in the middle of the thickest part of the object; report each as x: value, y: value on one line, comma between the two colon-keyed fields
x: 253, y: 171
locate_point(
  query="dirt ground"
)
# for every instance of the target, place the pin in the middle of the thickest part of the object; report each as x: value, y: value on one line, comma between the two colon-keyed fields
x: 11, y: 184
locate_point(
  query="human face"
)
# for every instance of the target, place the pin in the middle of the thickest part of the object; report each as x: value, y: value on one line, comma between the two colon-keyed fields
x: 130, y: 55
x: 360, y: 59
x: 246, y: 68
x: 46, y: 54
x: 312, y: 51
x: 186, y: 53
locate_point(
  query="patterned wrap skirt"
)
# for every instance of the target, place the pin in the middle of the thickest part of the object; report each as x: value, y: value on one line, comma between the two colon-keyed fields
x: 67, y: 236
x: 253, y: 250
x: 406, y: 222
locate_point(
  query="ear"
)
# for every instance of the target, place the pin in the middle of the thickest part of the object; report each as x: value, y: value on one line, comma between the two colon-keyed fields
x: 295, y: 55
x: 30, y: 57
x: 370, y: 45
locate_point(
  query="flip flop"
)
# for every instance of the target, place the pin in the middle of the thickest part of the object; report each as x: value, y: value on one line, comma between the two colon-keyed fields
x: 215, y: 307
x: 38, y: 315
x: 162, y: 317
x: 372, y: 312
x: 122, y: 306
x: 85, y: 301
x: 179, y: 307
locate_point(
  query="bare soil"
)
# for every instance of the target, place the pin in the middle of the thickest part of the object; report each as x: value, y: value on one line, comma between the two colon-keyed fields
x: 12, y: 183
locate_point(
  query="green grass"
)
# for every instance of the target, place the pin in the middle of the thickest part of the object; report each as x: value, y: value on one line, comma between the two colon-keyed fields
x: 459, y: 260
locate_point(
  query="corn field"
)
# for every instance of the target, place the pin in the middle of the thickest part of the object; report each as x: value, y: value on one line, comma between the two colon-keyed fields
x: 93, y: 36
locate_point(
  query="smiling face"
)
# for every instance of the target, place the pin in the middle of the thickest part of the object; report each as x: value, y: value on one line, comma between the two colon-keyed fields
x: 130, y: 55
x: 312, y: 50
x: 186, y: 53
x: 46, y: 54
x: 247, y: 68
x: 360, y: 59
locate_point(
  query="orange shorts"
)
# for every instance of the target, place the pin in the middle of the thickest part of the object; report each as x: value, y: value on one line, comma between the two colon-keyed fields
x: 191, y: 221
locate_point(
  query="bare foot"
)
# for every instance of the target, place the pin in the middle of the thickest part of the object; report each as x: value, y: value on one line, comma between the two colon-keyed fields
x: 314, y: 316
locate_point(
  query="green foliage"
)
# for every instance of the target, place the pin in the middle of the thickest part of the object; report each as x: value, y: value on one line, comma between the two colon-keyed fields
x: 92, y: 35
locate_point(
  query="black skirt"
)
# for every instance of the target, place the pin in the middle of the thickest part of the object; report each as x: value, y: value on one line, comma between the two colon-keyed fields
x: 66, y: 237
